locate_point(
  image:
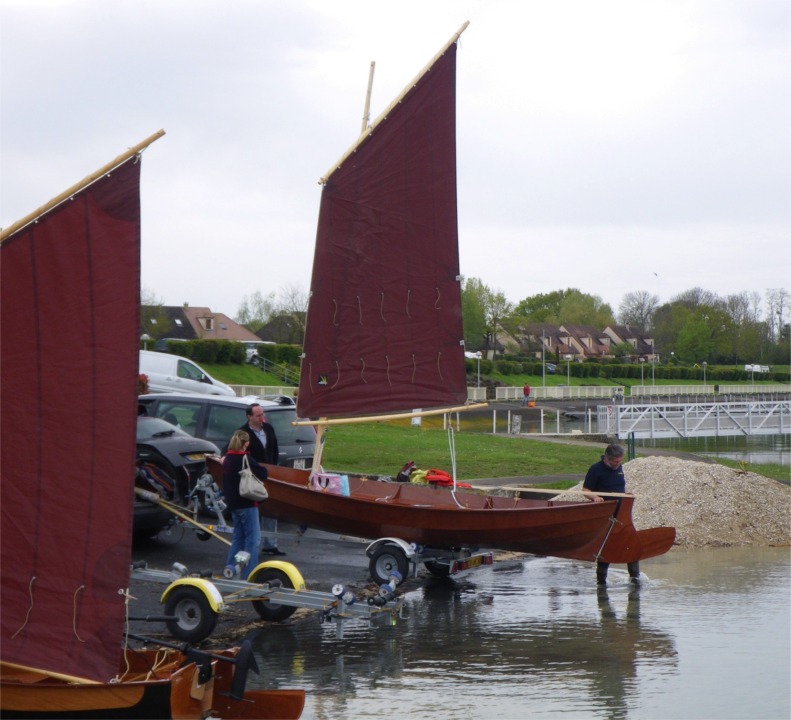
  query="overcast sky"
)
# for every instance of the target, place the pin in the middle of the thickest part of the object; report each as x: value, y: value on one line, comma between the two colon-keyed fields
x: 609, y: 146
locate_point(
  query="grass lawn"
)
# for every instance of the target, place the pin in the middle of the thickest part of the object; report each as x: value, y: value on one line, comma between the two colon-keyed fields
x: 241, y: 374
x: 383, y: 448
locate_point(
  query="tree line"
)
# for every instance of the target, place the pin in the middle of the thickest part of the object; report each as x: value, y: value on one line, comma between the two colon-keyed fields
x: 695, y: 326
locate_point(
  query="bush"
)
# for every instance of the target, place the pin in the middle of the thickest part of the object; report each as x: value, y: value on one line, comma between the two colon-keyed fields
x: 223, y: 352
x: 268, y: 352
x: 289, y: 354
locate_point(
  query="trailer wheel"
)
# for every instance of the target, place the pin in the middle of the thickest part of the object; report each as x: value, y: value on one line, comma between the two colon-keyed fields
x: 208, y: 506
x: 437, y: 569
x: 195, y: 618
x: 266, y: 609
x: 385, y: 560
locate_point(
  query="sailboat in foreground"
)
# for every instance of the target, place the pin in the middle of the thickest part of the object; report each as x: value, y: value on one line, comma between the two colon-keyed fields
x: 70, y: 285
x: 384, y: 335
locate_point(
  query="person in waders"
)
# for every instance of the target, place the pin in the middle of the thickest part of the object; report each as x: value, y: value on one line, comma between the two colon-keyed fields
x: 607, y: 476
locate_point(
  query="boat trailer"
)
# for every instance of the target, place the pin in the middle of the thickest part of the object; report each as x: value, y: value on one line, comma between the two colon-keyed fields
x: 193, y: 601
x: 393, y: 555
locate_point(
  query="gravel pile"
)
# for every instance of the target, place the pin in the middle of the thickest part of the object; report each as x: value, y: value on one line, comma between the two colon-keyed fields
x: 708, y: 504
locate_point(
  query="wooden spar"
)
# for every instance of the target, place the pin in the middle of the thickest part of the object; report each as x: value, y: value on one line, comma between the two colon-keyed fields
x: 152, y: 497
x: 367, y: 109
x: 93, y: 177
x: 50, y: 673
x: 383, y: 116
x: 396, y: 416
x: 318, y: 451
x: 548, y: 491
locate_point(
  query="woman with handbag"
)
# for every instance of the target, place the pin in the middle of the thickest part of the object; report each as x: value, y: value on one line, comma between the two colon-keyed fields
x: 244, y: 512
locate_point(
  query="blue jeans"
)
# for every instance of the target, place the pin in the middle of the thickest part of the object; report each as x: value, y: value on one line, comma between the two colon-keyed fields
x: 269, y: 524
x: 246, y: 536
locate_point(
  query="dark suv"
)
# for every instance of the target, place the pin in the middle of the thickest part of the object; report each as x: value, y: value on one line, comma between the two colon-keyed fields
x: 169, y: 462
x: 215, y: 418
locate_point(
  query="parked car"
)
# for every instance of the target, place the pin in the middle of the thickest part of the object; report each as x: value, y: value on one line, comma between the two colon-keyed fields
x: 215, y: 419
x: 171, y: 373
x: 251, y: 348
x: 171, y: 462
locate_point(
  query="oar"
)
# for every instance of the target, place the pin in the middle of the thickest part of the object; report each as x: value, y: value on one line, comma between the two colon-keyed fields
x: 547, y: 491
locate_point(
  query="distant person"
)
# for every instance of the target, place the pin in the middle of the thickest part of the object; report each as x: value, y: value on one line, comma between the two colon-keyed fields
x: 525, y: 395
x: 263, y: 449
x: 607, y: 476
x: 244, y: 512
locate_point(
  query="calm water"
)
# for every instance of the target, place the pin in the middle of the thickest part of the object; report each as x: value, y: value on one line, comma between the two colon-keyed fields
x: 707, y: 637
x: 754, y: 449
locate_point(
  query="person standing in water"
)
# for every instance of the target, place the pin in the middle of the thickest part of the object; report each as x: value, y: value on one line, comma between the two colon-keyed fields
x: 606, y: 476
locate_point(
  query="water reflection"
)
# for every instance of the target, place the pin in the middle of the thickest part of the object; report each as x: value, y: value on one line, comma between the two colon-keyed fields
x: 533, y: 628
x: 535, y: 637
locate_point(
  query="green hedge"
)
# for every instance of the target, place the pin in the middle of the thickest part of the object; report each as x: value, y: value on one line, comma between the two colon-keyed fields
x: 220, y: 352
x: 282, y: 353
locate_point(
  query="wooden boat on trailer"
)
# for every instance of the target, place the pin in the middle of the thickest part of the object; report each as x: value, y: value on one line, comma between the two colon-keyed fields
x: 439, y: 517
x: 66, y: 509
x: 384, y: 335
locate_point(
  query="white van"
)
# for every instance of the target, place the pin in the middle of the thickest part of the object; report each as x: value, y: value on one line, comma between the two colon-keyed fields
x: 171, y: 373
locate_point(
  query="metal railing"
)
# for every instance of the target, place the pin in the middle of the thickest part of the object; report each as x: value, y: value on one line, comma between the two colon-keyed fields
x: 288, y: 375
x: 654, y: 390
x: 705, y: 419
x: 261, y: 390
x: 767, y: 389
x: 562, y: 392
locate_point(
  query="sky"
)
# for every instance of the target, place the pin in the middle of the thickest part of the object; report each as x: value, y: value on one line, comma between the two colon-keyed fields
x: 610, y: 146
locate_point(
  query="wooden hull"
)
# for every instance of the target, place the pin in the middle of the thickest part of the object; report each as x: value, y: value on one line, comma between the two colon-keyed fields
x: 169, y: 691
x: 436, y: 517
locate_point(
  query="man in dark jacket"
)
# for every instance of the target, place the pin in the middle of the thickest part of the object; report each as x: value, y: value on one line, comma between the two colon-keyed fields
x: 607, y: 476
x: 263, y: 449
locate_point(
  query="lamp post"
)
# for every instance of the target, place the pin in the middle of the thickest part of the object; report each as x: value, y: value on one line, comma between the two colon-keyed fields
x: 653, y: 362
x: 642, y: 360
x: 145, y: 338
x: 568, y: 370
x: 543, y: 364
x: 478, y: 357
x: 704, y: 371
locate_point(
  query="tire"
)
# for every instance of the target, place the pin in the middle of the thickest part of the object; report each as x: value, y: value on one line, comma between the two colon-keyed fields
x: 195, y: 618
x: 267, y: 610
x: 385, y: 559
x: 437, y: 569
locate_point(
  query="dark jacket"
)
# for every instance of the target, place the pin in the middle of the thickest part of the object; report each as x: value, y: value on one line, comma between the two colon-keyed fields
x: 231, y: 467
x: 269, y: 454
x: 602, y: 478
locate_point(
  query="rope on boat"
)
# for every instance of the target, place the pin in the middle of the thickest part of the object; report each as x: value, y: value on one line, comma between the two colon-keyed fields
x: 452, y: 446
x: 74, y: 614
x: 124, y: 592
x: 30, y: 608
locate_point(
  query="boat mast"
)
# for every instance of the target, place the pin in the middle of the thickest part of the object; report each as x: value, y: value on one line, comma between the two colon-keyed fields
x: 368, y: 130
x: 367, y: 110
